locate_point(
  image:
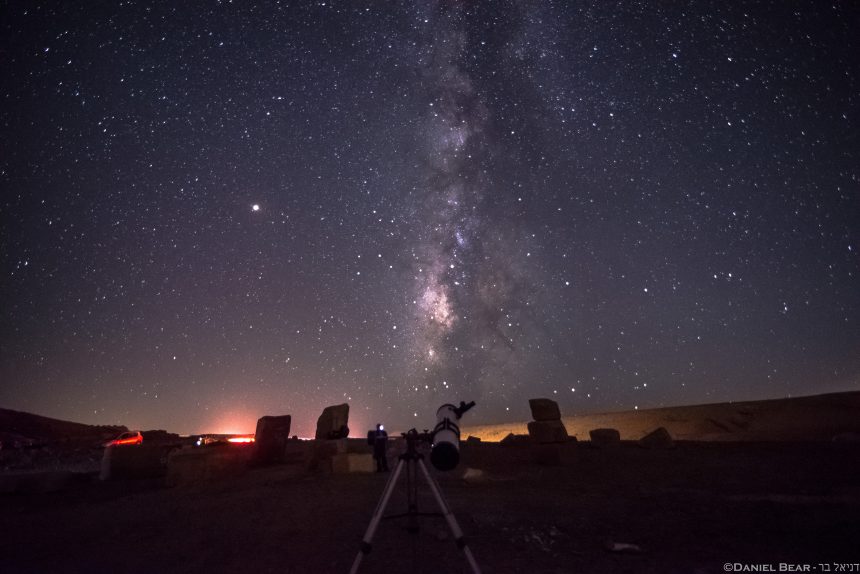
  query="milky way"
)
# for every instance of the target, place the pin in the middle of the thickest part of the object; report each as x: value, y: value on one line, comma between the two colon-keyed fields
x: 240, y: 209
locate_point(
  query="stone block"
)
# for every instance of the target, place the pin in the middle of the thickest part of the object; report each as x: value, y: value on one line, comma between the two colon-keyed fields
x: 545, y: 432
x: 332, y: 423
x: 544, y: 410
x: 322, y: 452
x: 546, y: 454
x: 191, y: 465
x: 134, y: 461
x: 657, y: 439
x: 270, y: 439
x: 297, y: 451
x: 359, y: 446
x: 602, y: 438
x: 343, y: 463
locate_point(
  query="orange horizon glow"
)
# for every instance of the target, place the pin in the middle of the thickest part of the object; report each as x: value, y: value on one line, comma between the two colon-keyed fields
x: 232, y: 421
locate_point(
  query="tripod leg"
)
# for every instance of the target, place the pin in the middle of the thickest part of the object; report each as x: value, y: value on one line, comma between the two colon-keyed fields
x: 366, y: 545
x: 449, y: 517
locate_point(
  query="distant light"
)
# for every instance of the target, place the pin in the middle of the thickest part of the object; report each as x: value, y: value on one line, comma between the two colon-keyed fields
x: 255, y: 207
x: 241, y: 439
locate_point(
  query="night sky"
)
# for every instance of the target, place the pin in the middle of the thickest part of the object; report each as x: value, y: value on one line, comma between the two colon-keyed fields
x: 213, y: 211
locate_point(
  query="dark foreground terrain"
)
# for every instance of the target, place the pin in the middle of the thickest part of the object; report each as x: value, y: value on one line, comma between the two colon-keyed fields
x: 689, y: 509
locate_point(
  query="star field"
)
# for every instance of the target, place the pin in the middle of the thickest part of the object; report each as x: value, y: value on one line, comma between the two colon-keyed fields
x: 220, y: 210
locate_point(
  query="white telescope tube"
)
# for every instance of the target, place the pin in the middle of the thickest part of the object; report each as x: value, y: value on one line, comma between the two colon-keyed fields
x: 445, y: 453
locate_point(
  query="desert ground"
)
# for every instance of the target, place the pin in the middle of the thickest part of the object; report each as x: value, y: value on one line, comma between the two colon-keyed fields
x: 562, y: 508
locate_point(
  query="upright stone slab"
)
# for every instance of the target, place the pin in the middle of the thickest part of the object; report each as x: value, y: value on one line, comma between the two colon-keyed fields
x: 544, y: 410
x: 270, y: 442
x: 547, y: 432
x: 333, y: 422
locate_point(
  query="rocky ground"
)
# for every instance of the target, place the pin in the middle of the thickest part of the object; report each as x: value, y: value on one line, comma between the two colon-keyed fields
x: 691, y: 508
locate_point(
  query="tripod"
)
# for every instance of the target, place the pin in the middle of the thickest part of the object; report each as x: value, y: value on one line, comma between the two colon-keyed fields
x: 410, y: 460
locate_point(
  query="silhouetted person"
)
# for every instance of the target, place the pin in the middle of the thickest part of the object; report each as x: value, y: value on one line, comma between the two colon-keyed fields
x: 380, y: 446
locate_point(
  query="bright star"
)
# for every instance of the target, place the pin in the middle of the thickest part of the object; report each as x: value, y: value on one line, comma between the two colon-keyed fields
x: 255, y: 207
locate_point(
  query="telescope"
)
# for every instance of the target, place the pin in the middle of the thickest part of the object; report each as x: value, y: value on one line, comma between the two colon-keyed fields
x: 444, y: 454
x: 445, y: 450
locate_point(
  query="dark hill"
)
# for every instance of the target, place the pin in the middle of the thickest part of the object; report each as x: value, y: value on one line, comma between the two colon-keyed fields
x: 27, y: 428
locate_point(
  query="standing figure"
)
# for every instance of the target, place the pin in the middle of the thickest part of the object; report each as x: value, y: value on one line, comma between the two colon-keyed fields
x: 380, y: 446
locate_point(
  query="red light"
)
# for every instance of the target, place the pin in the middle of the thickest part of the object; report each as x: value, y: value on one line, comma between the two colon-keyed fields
x: 241, y: 439
x: 133, y: 440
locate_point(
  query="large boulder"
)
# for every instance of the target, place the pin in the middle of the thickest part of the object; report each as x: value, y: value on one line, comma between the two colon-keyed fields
x: 602, y: 438
x: 270, y: 439
x: 657, y: 439
x: 544, y: 410
x: 333, y: 422
x: 546, y: 432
